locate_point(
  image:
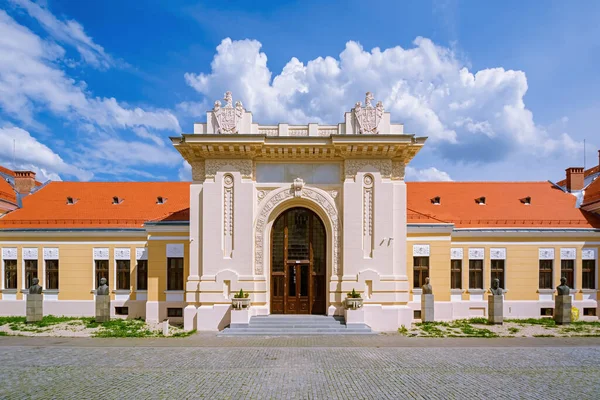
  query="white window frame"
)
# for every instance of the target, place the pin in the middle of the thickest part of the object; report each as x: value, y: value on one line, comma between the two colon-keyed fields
x: 120, y: 253
x: 7, y: 253
x: 50, y: 253
x: 98, y: 253
x: 565, y: 255
x: 28, y: 253
x: 585, y: 256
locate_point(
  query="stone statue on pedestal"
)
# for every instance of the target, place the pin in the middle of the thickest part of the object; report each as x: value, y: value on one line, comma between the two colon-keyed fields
x: 103, y: 288
x: 427, y: 289
x: 35, y: 288
x: 563, y: 289
x: 496, y: 289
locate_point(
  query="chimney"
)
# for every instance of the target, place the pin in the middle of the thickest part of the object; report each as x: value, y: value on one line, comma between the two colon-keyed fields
x: 24, y: 181
x: 574, y: 179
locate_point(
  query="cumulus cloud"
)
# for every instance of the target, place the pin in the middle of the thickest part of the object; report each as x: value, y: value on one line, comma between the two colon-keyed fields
x: 69, y: 32
x: 426, y: 175
x: 30, y: 154
x: 467, y: 115
x: 185, y: 172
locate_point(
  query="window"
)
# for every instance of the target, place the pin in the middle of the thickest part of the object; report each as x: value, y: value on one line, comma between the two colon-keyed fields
x: 456, y: 274
x: 420, y: 271
x: 497, y: 270
x: 546, y: 274
x: 417, y: 314
x: 567, y: 268
x: 52, y: 274
x: 123, y: 274
x: 174, y: 312
x: 589, y: 312
x: 142, y: 275
x: 175, y: 273
x: 475, y: 274
x: 10, y: 274
x: 31, y: 271
x: 588, y: 274
x: 102, y: 271
x: 546, y: 311
x: 122, y: 310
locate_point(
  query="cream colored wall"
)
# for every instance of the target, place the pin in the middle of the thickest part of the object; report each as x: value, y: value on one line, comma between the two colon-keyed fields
x: 157, y: 265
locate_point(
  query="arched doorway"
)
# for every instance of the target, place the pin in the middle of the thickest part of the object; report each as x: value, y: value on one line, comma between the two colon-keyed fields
x: 298, y: 263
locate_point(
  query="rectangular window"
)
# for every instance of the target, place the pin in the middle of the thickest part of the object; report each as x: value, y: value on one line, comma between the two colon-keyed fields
x: 52, y: 274
x: 589, y: 312
x: 122, y: 310
x: 546, y: 274
x: 101, y: 271
x: 456, y: 274
x: 420, y: 271
x: 567, y: 270
x: 497, y: 270
x: 546, y: 311
x: 123, y: 274
x: 175, y: 273
x: 588, y: 274
x: 174, y: 312
x: 31, y: 271
x: 142, y: 275
x: 10, y: 274
x: 475, y: 274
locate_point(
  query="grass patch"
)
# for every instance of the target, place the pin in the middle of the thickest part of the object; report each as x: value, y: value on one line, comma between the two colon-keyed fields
x: 533, y: 321
x: 184, y: 333
x: 479, y: 321
x: 403, y: 331
x: 430, y: 329
x: 119, y: 328
x: 513, y: 330
x: 470, y: 331
x: 11, y: 320
x: 587, y: 323
x: 2, y: 333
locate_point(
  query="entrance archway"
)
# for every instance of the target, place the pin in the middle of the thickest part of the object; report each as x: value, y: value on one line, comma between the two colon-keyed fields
x: 298, y: 263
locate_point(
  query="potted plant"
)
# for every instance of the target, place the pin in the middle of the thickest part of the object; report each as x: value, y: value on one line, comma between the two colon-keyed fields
x: 353, y: 301
x: 240, y: 300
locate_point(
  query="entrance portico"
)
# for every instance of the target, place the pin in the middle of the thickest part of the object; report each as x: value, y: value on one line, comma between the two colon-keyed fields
x: 297, y: 216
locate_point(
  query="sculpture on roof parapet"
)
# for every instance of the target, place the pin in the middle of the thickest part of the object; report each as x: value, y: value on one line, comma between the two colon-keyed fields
x: 368, y: 117
x: 228, y: 116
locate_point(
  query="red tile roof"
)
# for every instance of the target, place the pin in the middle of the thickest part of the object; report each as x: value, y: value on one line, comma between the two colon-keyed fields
x: 93, y: 208
x: 7, y: 192
x: 592, y: 192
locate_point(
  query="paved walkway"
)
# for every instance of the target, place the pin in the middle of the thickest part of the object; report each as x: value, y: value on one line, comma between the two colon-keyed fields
x: 380, y: 367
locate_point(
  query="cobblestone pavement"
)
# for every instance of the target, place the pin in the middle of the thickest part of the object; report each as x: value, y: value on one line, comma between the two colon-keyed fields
x: 128, y: 369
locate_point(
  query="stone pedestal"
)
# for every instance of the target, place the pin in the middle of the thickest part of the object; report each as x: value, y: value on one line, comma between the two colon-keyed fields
x: 354, y: 316
x: 102, y: 308
x: 495, y: 309
x: 562, y: 309
x: 35, y: 308
x: 427, y: 306
x: 240, y: 318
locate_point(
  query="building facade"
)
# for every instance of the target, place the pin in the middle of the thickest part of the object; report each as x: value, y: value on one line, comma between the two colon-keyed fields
x: 298, y: 216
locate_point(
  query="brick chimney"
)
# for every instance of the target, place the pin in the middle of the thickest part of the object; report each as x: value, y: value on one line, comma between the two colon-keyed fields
x: 24, y: 181
x: 574, y: 179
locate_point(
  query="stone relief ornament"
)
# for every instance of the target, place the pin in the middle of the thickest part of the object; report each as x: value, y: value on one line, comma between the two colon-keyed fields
x: 568, y: 254
x: 368, y: 117
x: 198, y: 171
x: 245, y: 167
x: 546, y: 254
x: 228, y: 116
x: 498, y: 254
x: 101, y: 254
x: 351, y: 167
x: 297, y: 186
x: 278, y: 196
x: 456, y: 253
x: 141, y: 253
x: 588, y: 254
x: 420, y: 250
x: 51, y: 253
x: 476, y: 254
x: 398, y: 168
x: 30, y: 253
x: 9, y: 253
x: 122, y: 254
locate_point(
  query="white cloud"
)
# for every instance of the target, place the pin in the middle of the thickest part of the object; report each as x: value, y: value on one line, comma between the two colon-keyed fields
x: 69, y: 32
x: 466, y: 114
x: 426, y: 175
x: 30, y: 154
x: 185, y: 172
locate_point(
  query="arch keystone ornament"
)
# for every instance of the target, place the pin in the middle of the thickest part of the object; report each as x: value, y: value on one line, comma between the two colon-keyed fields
x: 318, y: 197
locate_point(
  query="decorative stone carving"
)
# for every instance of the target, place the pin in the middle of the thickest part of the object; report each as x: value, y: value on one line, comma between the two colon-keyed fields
x: 9, y: 253
x: 456, y: 253
x: 498, y: 254
x: 101, y: 254
x: 546, y: 254
x: 269, y: 131
x: 30, y: 253
x: 214, y: 166
x: 476, y: 254
x: 122, y: 253
x: 298, y: 132
x: 588, y: 254
x: 568, y: 254
x: 398, y: 168
x: 351, y: 167
x: 368, y: 215
x: 141, y: 253
x: 51, y: 253
x: 198, y: 170
x: 327, y: 132
x: 228, y: 214
x: 227, y: 117
x: 368, y: 117
x: 297, y: 186
x: 278, y: 196
x: 174, y: 250
x: 420, y: 250
x: 333, y: 193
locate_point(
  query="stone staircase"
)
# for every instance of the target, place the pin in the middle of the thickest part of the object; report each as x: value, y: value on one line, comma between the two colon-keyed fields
x: 283, y: 325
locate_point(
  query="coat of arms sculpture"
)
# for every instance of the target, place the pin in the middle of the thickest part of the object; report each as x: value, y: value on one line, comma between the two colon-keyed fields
x: 227, y: 117
x: 368, y: 117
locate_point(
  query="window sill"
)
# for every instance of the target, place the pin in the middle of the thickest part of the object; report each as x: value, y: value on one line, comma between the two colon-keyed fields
x: 141, y: 291
x: 457, y: 291
x: 545, y: 291
x: 9, y: 291
x: 121, y: 291
x: 50, y: 291
x: 476, y: 291
x: 174, y: 291
x: 588, y: 290
x: 417, y: 291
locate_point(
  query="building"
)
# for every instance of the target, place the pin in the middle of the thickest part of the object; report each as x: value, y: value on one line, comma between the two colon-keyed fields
x: 298, y: 216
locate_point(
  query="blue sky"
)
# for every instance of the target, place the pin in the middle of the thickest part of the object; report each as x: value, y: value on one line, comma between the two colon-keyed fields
x: 504, y: 91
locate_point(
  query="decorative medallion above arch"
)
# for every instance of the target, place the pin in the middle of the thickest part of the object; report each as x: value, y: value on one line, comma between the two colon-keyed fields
x: 318, y: 198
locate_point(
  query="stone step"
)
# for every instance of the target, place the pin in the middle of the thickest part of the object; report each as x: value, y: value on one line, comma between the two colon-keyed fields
x: 283, y: 325
x: 237, y: 332
x: 293, y: 326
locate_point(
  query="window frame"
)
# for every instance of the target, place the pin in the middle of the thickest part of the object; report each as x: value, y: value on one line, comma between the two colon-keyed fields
x: 570, y: 284
x: 589, y: 270
x: 137, y: 275
x: 547, y: 272
x: 27, y: 270
x: 15, y: 269
x: 96, y: 272
x: 494, y: 272
x: 421, y: 270
x: 123, y: 273
x: 49, y: 271
x: 173, y: 280
x: 453, y: 271
x: 480, y: 272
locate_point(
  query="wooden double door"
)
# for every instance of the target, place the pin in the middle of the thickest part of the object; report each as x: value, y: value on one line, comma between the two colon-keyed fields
x: 298, y: 263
